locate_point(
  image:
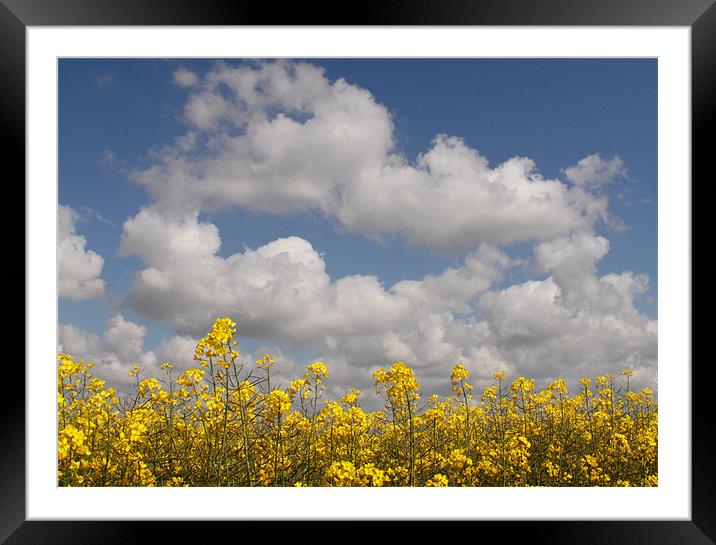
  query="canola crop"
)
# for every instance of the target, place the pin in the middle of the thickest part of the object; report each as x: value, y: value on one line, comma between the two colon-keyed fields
x: 223, y: 423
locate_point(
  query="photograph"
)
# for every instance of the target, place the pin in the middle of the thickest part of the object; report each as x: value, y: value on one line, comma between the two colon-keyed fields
x: 423, y: 267
x: 357, y: 272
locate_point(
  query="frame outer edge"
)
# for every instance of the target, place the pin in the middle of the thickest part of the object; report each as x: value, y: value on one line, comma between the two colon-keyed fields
x: 12, y: 81
x: 387, y: 12
x: 703, y: 117
x: 12, y: 275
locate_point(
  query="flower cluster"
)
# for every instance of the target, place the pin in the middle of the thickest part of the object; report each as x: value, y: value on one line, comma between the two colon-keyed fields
x: 223, y: 423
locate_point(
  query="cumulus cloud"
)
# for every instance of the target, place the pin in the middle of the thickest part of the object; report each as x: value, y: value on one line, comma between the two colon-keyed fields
x: 121, y: 346
x: 281, y: 292
x: 543, y: 337
x: 78, y: 268
x: 571, y: 260
x: 280, y: 289
x: 570, y: 324
x: 185, y: 78
x: 281, y: 137
x: 595, y: 171
x: 574, y: 323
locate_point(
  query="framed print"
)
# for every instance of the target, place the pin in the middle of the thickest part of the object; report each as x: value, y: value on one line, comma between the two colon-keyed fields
x: 469, y: 215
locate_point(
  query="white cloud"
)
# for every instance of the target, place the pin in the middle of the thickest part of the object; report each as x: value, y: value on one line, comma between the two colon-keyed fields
x: 574, y: 323
x: 96, y: 215
x: 452, y: 200
x: 78, y: 269
x: 593, y: 170
x: 121, y: 346
x: 111, y: 359
x: 205, y: 110
x: 571, y: 324
x: 185, y: 78
x: 571, y: 260
x: 546, y: 339
x: 124, y: 338
x: 279, y: 289
x: 280, y: 137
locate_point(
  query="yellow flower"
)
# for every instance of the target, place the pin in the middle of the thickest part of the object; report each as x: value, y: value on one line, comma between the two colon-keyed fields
x: 341, y: 473
x: 296, y: 386
x: 278, y: 402
x: 558, y: 386
x: 318, y: 370
x: 351, y: 397
x: 265, y: 362
x: 437, y: 480
x: 459, y: 373
x: 235, y: 430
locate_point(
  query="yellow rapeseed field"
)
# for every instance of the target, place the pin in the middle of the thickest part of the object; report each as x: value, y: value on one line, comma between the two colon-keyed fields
x: 223, y: 424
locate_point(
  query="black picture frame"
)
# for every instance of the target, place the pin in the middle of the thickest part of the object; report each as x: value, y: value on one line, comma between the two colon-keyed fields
x: 16, y: 15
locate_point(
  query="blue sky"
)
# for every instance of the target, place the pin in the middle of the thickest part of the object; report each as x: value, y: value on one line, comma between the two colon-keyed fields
x: 119, y: 119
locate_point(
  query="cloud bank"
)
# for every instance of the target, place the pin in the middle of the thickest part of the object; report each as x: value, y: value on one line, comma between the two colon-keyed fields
x: 282, y: 138
x: 572, y: 323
